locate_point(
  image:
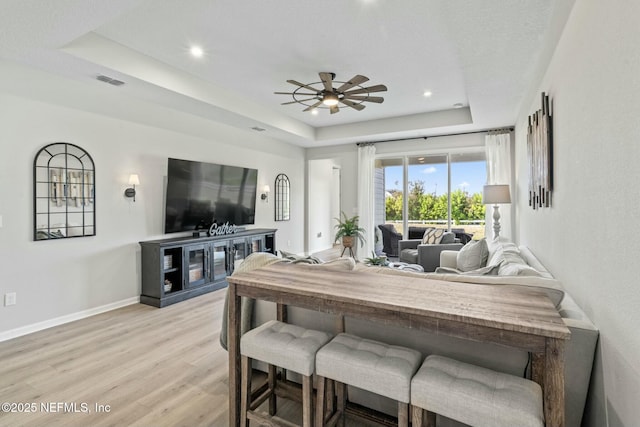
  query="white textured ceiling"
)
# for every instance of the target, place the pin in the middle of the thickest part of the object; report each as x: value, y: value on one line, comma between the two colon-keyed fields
x: 482, y: 54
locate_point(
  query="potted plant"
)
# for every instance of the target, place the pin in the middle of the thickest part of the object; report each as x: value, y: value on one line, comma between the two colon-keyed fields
x: 347, y: 229
x: 376, y: 260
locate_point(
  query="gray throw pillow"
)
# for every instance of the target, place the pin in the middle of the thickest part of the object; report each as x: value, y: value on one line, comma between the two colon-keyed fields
x: 448, y: 237
x: 473, y: 255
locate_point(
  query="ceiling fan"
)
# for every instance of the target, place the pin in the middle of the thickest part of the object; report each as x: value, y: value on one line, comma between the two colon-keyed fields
x: 322, y: 94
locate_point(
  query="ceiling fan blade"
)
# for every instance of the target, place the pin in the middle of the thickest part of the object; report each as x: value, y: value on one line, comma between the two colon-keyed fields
x: 353, y: 105
x: 334, y: 109
x: 327, y: 79
x: 293, y: 82
x: 377, y: 99
x: 296, y: 93
x: 355, y: 80
x: 370, y: 89
x: 311, y: 107
x: 296, y: 102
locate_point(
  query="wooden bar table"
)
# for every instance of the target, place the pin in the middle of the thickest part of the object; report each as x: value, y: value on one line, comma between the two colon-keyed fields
x: 523, y: 318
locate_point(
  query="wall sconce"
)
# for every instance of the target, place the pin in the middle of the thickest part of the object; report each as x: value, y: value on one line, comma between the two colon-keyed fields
x: 133, y: 180
x: 265, y: 193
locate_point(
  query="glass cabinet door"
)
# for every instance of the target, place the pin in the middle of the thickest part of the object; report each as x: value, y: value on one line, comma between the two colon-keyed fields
x: 197, y: 257
x: 220, y: 261
x: 238, y: 252
x: 256, y: 244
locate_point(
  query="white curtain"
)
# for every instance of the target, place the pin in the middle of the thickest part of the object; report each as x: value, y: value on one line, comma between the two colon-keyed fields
x: 366, y: 202
x: 498, y: 153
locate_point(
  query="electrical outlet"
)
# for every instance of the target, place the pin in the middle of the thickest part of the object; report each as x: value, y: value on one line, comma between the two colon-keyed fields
x: 319, y: 234
x: 10, y: 299
x: 288, y: 243
x: 0, y: 221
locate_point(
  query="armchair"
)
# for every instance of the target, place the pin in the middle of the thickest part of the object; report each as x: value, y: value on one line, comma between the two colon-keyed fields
x: 427, y: 255
x: 390, y: 239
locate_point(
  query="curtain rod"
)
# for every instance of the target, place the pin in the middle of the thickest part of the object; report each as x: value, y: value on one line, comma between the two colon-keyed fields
x: 510, y: 129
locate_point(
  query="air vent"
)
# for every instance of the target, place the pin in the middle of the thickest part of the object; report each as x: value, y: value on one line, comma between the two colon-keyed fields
x: 109, y: 80
x: 257, y: 129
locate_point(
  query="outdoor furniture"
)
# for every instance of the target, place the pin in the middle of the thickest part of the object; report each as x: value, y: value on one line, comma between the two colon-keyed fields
x: 426, y: 255
x: 390, y: 239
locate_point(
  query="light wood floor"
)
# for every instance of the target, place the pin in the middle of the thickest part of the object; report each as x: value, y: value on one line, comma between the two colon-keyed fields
x: 152, y: 367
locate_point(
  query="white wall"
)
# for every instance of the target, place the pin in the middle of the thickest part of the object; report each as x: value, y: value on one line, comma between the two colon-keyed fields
x: 59, y: 278
x: 589, y: 238
x: 320, y: 193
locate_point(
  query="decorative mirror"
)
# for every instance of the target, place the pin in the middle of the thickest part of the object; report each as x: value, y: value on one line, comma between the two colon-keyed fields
x: 64, y: 192
x: 282, y: 189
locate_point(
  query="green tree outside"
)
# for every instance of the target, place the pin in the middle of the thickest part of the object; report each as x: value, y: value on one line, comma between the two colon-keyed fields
x: 427, y: 206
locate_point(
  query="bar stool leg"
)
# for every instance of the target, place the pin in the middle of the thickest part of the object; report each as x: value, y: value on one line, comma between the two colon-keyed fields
x: 416, y: 416
x: 245, y: 390
x: 307, y: 401
x: 331, y: 397
x: 320, y: 400
x: 431, y: 419
x: 403, y: 414
x: 341, y: 393
x: 272, y: 390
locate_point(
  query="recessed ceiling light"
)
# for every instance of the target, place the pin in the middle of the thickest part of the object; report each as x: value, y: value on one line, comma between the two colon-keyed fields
x: 196, y: 51
x: 458, y: 105
x: 427, y: 93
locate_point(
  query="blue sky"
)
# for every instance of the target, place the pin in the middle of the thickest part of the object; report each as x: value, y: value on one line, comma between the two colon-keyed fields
x: 466, y: 175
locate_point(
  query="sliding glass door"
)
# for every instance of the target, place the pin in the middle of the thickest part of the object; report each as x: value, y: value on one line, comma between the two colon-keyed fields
x: 442, y: 190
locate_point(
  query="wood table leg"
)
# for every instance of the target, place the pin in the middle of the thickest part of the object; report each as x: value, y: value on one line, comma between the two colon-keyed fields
x: 282, y: 313
x: 233, y: 345
x: 554, y: 383
x: 538, y: 369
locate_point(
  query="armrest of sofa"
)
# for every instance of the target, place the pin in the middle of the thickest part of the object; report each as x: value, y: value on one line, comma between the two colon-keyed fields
x: 449, y: 258
x: 408, y: 244
x: 429, y: 255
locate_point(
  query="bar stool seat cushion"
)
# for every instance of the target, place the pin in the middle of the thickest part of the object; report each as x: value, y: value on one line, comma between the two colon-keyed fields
x: 476, y: 396
x: 370, y: 365
x: 287, y: 346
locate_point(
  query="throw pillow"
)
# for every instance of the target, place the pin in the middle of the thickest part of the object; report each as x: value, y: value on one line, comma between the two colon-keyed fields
x: 299, y: 259
x: 338, y: 264
x: 432, y: 236
x: 427, y: 235
x: 515, y: 269
x: 473, y: 255
x: 448, y: 237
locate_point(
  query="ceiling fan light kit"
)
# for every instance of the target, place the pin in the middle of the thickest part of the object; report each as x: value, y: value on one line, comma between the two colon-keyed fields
x: 322, y: 94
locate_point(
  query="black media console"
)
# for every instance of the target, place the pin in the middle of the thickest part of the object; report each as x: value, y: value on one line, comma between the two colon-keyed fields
x: 179, y: 268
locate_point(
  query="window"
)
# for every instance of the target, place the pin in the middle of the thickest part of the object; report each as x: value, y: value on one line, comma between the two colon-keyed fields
x: 442, y: 190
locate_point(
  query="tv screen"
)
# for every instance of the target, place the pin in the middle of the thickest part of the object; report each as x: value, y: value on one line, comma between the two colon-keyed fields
x: 199, y: 194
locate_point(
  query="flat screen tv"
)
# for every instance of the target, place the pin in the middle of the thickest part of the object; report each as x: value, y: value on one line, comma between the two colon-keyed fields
x: 199, y: 194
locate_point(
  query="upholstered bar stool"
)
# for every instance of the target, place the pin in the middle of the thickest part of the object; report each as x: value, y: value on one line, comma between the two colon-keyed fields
x: 370, y: 365
x: 287, y: 346
x: 474, y: 395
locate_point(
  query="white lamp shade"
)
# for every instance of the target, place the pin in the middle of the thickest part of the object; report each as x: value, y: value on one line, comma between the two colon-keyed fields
x: 496, y: 194
x: 133, y: 179
x: 266, y: 189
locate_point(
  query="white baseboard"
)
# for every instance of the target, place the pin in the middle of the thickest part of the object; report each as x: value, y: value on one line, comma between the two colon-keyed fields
x: 35, y: 327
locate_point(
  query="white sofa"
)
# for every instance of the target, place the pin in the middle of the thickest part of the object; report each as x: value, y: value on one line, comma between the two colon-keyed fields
x: 579, y: 350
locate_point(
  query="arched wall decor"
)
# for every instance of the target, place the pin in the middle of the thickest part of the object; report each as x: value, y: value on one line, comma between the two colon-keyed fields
x: 63, y: 192
x: 282, y: 197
